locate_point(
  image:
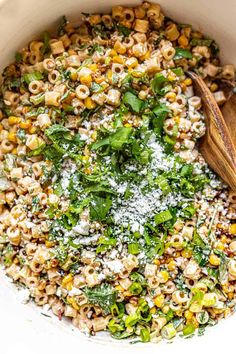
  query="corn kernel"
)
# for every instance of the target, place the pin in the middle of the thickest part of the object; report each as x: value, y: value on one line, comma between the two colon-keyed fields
x: 163, y: 276
x: 213, y: 87
x: 73, y: 75
x: 119, y: 288
x: 127, y: 293
x: 99, y: 79
x: 145, y: 56
x: 186, y: 253
x: 183, y: 41
x: 94, y: 135
x: 113, y: 53
x: 232, y: 229
x: 172, y: 265
x: 88, y: 171
x: 118, y: 59
x: 157, y: 262
x: 159, y: 300
x: 89, y: 103
x: 1, y: 127
x: 176, y: 119
x: 12, y: 137
x: 230, y: 295
x: 13, y: 120
x: 14, y: 151
x: 67, y: 279
x: 171, y: 77
x: 188, y: 81
x: 25, y: 125
x: 171, y: 96
x: 119, y: 47
x: 86, y: 80
x: 32, y: 130
x: 69, y: 285
x: 220, y: 246
x: 188, y: 315
x: 49, y: 244
x: 73, y: 302
x: 153, y: 310
x: 214, y: 260
x: 224, y: 239
x: 85, y: 158
x: 93, y: 67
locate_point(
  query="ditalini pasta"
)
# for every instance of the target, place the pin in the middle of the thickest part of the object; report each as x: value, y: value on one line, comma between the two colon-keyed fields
x: 109, y: 215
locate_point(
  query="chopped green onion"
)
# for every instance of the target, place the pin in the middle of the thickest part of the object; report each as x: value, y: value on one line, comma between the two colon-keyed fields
x: 145, y: 335
x: 162, y: 217
x: 133, y: 248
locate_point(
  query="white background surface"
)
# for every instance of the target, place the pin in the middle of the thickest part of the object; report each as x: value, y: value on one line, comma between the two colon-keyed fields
x: 22, y: 328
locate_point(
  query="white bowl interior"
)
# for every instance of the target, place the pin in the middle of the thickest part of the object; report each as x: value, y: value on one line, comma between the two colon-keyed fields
x: 21, y: 21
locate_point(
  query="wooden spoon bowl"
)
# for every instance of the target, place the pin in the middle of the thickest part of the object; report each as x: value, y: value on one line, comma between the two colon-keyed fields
x: 217, y: 146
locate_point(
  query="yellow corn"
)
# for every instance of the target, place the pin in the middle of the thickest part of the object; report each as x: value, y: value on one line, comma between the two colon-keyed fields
x: 89, y: 103
x: 172, y: 265
x: 232, y: 229
x: 213, y: 87
x: 86, y: 80
x: 88, y: 171
x: 113, y: 53
x: 220, y: 246
x: 94, y: 135
x: 153, y: 310
x: 85, y: 158
x: 224, y: 239
x: 25, y: 125
x: 188, y: 315
x: 128, y: 125
x: 119, y: 288
x: 1, y: 127
x: 93, y: 67
x: 12, y: 137
x: 176, y: 119
x: 49, y: 244
x: 230, y: 295
x: 117, y: 59
x: 171, y: 77
x: 73, y: 302
x: 183, y: 41
x: 186, y: 253
x: 145, y: 56
x: 163, y: 276
x: 73, y: 75
x: 127, y: 293
x: 32, y: 130
x: 188, y: 81
x: 119, y: 47
x: 159, y: 300
x: 171, y: 96
x: 13, y: 120
x: 137, y: 74
x: 214, y: 260
x: 157, y: 262
x: 67, y: 279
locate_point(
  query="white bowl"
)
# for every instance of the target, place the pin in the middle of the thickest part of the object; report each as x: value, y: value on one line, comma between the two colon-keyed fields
x: 22, y: 327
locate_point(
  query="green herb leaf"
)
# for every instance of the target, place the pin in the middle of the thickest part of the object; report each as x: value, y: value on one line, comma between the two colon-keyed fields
x: 160, y: 84
x: 99, y: 207
x: 133, y: 101
x: 32, y: 76
x: 102, y: 295
x: 162, y: 217
x: 18, y: 57
x: 46, y: 43
x: 116, y: 140
x: 181, y: 53
x: 161, y: 112
x: 201, y: 42
x: 145, y: 335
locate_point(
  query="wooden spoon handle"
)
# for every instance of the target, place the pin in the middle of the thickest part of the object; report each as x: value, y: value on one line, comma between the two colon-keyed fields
x: 229, y: 113
x: 216, y: 146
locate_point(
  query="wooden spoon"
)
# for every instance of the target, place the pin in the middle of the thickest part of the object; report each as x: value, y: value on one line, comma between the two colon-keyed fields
x: 217, y: 146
